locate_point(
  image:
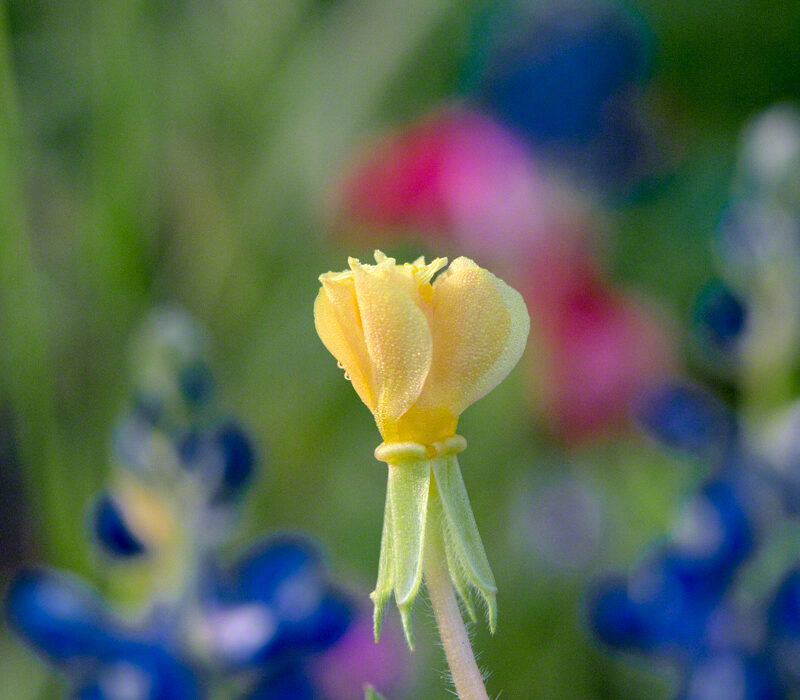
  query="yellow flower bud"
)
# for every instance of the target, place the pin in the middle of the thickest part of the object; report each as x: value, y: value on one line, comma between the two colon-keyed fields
x: 418, y: 353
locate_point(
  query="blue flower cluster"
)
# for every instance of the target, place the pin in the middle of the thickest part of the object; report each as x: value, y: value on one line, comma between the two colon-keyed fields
x: 569, y: 77
x: 687, y: 600
x: 683, y: 602
x: 754, y: 308
x: 247, y: 629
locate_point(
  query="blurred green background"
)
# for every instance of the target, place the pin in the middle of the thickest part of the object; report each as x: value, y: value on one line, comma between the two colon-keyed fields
x: 181, y: 151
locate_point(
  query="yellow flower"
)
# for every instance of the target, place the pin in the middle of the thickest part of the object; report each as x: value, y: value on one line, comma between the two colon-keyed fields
x: 418, y: 353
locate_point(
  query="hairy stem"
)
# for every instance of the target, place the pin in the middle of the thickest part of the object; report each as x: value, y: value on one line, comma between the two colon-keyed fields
x: 466, y: 676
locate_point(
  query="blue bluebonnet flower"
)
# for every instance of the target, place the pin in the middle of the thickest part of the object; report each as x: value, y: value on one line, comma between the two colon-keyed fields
x: 784, y: 627
x: 728, y: 636
x: 104, y: 658
x: 569, y: 77
x: 276, y: 604
x: 680, y: 602
x: 181, y: 470
x: 58, y: 615
x: 719, y: 317
x: 757, y: 247
x: 687, y: 418
x: 113, y: 533
x: 258, y: 623
x: 732, y: 674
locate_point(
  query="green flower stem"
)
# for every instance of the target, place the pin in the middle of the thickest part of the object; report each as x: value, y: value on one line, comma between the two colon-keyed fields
x: 466, y: 676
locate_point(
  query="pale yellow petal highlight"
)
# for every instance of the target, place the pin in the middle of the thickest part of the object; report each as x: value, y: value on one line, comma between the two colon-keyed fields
x: 397, y: 335
x: 480, y: 327
x: 338, y: 323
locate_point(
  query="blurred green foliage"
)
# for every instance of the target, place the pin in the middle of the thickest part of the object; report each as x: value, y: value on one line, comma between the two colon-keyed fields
x: 180, y: 151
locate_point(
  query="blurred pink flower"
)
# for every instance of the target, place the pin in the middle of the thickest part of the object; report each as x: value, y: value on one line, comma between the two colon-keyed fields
x: 456, y: 174
x: 356, y: 660
x: 601, y: 347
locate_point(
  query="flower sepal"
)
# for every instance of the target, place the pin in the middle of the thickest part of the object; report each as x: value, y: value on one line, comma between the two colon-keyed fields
x: 426, y: 498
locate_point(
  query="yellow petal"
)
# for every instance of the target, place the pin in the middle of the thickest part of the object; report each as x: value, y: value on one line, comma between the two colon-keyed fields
x: 396, y: 332
x: 480, y: 327
x: 338, y: 323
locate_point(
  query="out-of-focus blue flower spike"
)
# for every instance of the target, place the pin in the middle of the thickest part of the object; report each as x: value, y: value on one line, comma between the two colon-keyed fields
x: 675, y: 599
x: 280, y: 571
x: 111, y: 530
x: 290, y: 683
x: 323, y: 627
x: 565, y: 75
x: 169, y: 363
x: 732, y: 674
x: 280, y: 601
x: 131, y: 668
x: 784, y: 610
x: 715, y: 533
x: 225, y: 458
x: 59, y: 616
x: 754, y: 237
x: 617, y: 620
x: 550, y: 72
x: 783, y: 621
x: 239, y: 457
x: 687, y: 418
x: 720, y: 318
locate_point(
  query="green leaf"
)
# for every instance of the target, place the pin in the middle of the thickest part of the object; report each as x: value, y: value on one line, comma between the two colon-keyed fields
x: 409, y: 485
x: 462, y: 533
x: 385, y: 583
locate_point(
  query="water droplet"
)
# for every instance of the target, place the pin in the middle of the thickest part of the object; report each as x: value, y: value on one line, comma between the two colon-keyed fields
x: 339, y: 364
x: 347, y: 376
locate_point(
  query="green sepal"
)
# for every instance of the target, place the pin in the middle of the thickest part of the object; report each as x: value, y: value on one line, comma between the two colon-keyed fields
x: 462, y: 536
x: 385, y: 582
x: 457, y: 572
x: 409, y: 486
x: 455, y: 569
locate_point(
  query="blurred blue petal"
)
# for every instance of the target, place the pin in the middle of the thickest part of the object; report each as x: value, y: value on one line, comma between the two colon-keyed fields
x: 323, y: 627
x: 276, y: 604
x: 224, y: 457
x: 556, y: 87
x: 686, y: 418
x: 616, y: 619
x: 714, y: 536
x: 111, y: 530
x: 566, y: 77
x: 134, y: 670
x: 784, y: 611
x: 285, y: 571
x: 732, y: 676
x: 58, y: 615
x: 289, y: 684
x: 719, y: 316
x: 239, y: 458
